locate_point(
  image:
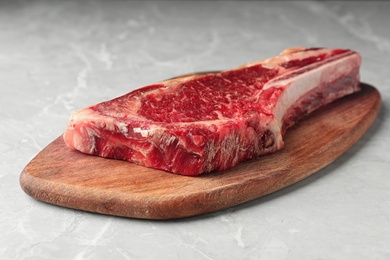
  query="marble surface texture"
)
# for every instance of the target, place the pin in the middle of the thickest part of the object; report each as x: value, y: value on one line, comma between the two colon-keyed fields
x: 58, y: 56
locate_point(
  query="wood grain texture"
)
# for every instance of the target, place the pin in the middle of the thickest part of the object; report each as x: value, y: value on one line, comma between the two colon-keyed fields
x: 71, y: 179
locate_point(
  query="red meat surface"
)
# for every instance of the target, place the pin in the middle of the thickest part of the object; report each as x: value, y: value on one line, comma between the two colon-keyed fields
x: 199, y: 124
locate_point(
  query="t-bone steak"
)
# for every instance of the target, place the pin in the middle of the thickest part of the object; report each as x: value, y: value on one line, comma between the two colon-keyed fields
x: 202, y: 123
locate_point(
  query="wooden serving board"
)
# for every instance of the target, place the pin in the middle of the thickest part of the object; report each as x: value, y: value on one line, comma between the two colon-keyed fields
x: 71, y: 179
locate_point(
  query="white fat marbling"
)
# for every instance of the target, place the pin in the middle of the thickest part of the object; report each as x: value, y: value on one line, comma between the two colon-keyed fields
x: 59, y: 56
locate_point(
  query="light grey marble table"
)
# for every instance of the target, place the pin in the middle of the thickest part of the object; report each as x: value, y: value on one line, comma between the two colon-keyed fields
x: 56, y: 57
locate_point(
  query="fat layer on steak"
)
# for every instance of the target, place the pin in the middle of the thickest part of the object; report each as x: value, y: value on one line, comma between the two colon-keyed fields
x: 199, y: 124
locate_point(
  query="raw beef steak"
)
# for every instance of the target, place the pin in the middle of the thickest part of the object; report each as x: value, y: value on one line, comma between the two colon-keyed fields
x: 199, y: 124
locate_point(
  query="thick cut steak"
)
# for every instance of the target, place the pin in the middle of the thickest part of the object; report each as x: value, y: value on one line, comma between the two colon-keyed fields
x: 199, y: 124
